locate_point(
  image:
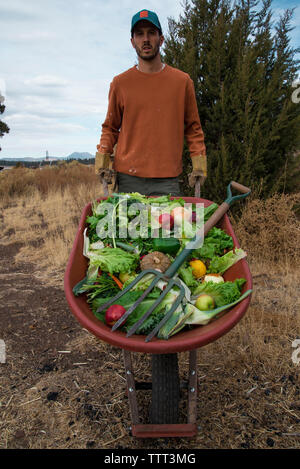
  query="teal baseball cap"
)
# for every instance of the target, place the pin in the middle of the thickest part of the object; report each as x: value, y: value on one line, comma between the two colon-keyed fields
x: 146, y: 15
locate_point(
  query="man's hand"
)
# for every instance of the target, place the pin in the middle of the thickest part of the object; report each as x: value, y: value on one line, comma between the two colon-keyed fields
x: 193, y: 177
x: 199, y: 170
x: 107, y: 175
x: 103, y: 167
x: 102, y: 161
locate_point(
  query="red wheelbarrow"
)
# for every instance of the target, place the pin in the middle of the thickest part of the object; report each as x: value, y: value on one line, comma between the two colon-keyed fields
x: 165, y: 383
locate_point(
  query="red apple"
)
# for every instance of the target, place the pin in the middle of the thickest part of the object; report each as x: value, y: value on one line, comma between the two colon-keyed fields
x: 113, y: 314
x: 166, y: 220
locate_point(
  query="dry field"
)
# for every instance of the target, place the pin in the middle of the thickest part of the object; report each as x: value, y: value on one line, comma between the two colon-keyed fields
x: 60, y: 387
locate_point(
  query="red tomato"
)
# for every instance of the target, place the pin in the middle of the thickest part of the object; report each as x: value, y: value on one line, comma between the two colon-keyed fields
x: 166, y: 220
x: 113, y: 314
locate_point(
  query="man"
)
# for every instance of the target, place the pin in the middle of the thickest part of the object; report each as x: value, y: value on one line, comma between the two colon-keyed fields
x: 152, y: 107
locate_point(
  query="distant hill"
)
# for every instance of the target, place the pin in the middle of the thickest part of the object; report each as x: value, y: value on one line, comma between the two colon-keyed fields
x: 72, y: 156
x: 80, y: 156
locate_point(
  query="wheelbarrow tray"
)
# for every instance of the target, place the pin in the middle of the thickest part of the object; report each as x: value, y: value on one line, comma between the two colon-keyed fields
x: 187, y: 339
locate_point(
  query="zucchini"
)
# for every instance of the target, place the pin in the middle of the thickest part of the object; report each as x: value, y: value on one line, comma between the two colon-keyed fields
x: 126, y: 247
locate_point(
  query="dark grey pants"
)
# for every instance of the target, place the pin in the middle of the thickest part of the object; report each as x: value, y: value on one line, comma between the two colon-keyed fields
x: 148, y: 186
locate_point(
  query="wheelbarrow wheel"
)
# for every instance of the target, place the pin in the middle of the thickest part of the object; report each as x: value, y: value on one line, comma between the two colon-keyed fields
x: 165, y: 389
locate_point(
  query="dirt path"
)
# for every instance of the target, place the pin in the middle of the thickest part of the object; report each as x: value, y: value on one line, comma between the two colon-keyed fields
x: 34, y: 318
x: 35, y: 324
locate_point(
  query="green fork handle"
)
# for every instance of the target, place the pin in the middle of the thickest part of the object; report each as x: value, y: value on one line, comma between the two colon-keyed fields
x: 213, y: 220
x: 245, y: 191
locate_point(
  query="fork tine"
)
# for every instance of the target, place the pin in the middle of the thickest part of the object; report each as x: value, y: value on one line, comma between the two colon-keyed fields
x: 121, y: 293
x: 112, y: 300
x: 133, y: 307
x: 166, y: 317
x: 149, y: 311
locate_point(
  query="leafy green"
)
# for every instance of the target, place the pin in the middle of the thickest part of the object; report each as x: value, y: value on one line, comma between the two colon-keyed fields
x: 186, y: 274
x: 173, y: 323
x: 143, y: 307
x: 208, y: 211
x: 214, y: 244
x: 103, y: 285
x: 114, y: 260
x: 219, y: 265
x: 92, y: 222
x: 156, y: 315
x: 137, y: 197
x: 222, y: 293
x: 82, y: 286
x: 142, y: 284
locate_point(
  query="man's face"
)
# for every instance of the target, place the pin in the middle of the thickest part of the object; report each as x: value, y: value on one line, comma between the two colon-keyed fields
x: 146, y: 40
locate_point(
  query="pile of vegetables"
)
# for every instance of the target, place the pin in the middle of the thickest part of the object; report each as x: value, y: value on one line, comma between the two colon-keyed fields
x: 114, y: 262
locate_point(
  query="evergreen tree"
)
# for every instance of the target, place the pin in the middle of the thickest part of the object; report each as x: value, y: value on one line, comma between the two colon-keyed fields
x: 243, y: 69
x: 3, y: 127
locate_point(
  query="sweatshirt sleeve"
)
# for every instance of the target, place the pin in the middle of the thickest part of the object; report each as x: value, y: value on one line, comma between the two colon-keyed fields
x: 111, y: 125
x: 193, y: 130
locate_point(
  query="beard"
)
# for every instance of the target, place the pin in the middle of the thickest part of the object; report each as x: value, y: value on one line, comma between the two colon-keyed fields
x: 144, y: 56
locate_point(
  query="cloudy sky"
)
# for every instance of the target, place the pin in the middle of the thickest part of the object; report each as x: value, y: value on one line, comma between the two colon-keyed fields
x: 58, y: 58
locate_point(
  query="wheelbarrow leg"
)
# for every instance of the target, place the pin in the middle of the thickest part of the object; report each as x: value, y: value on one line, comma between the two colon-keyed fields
x: 131, y: 388
x: 192, y: 390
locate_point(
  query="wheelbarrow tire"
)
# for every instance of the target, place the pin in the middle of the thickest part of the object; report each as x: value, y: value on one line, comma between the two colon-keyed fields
x: 165, y: 389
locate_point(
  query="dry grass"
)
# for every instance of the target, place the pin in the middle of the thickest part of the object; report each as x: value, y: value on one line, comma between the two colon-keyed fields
x: 21, y: 182
x: 44, y: 212
x: 270, y: 230
x: 249, y: 390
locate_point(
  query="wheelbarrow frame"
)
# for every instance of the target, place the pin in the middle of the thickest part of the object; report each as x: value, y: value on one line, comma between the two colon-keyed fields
x: 189, y: 340
x: 161, y: 430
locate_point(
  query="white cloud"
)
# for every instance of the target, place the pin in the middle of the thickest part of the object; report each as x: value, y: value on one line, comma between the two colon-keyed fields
x: 57, y: 61
x: 57, y: 97
x: 46, y: 80
x: 40, y: 125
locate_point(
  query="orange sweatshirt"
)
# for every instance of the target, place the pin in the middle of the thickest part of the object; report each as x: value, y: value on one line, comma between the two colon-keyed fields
x: 148, y: 116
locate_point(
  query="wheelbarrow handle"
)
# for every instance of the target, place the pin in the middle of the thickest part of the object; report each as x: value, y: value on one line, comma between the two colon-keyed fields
x: 245, y: 191
x: 104, y: 186
x: 239, y: 187
x: 197, y: 188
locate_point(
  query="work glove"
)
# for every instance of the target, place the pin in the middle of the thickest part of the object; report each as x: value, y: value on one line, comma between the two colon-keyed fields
x: 199, y: 170
x: 103, y: 167
x: 107, y: 175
